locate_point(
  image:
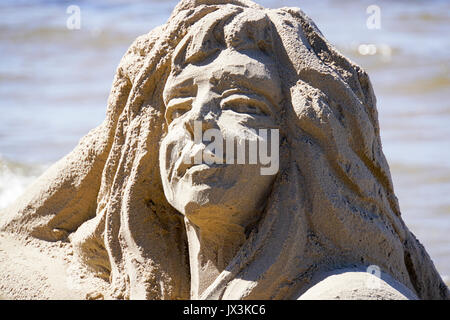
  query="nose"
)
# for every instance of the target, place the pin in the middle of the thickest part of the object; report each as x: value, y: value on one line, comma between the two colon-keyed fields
x: 201, y: 117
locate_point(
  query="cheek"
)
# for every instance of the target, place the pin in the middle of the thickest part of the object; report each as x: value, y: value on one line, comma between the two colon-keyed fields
x: 171, y: 149
x: 237, y: 127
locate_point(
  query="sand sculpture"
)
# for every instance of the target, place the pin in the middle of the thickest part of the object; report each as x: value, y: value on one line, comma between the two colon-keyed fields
x: 153, y: 228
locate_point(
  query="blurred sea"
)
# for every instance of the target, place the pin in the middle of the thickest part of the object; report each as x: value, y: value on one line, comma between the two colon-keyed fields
x: 54, y: 84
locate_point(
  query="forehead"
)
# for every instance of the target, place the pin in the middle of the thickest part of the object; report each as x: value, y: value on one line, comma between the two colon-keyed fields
x: 253, y: 71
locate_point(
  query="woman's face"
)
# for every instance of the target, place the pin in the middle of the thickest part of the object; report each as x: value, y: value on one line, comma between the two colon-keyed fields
x: 219, y: 101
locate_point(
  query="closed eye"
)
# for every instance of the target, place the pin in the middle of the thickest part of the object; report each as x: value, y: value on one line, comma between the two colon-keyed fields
x: 246, y: 104
x: 177, y: 107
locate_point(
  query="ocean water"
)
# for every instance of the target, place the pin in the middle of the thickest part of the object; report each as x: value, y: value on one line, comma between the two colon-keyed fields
x: 54, y: 83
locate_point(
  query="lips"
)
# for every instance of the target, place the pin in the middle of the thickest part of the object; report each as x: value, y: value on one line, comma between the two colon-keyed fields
x: 186, y: 162
x: 193, y: 169
x: 203, y: 171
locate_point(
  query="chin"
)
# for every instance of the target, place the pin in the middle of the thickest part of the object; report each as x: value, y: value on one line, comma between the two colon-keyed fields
x: 232, y: 194
x: 221, y: 203
x: 190, y: 199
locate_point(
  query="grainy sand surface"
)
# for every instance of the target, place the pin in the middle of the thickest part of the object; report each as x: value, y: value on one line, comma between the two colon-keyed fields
x: 43, y: 270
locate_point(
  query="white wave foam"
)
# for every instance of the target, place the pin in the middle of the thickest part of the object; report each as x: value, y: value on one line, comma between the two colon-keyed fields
x: 14, y: 179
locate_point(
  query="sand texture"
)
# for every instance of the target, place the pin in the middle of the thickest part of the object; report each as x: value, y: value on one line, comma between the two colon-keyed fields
x: 122, y: 217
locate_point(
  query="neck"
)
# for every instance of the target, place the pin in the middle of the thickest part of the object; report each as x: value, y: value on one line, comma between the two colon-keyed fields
x: 211, y: 249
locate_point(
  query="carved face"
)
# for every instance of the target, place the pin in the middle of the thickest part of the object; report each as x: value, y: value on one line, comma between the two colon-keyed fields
x: 236, y: 95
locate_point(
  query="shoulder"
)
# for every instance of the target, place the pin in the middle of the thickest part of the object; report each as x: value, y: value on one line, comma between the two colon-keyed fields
x: 355, y: 284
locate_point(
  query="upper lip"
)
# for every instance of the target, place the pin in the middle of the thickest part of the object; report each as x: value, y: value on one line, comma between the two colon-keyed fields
x: 181, y: 167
